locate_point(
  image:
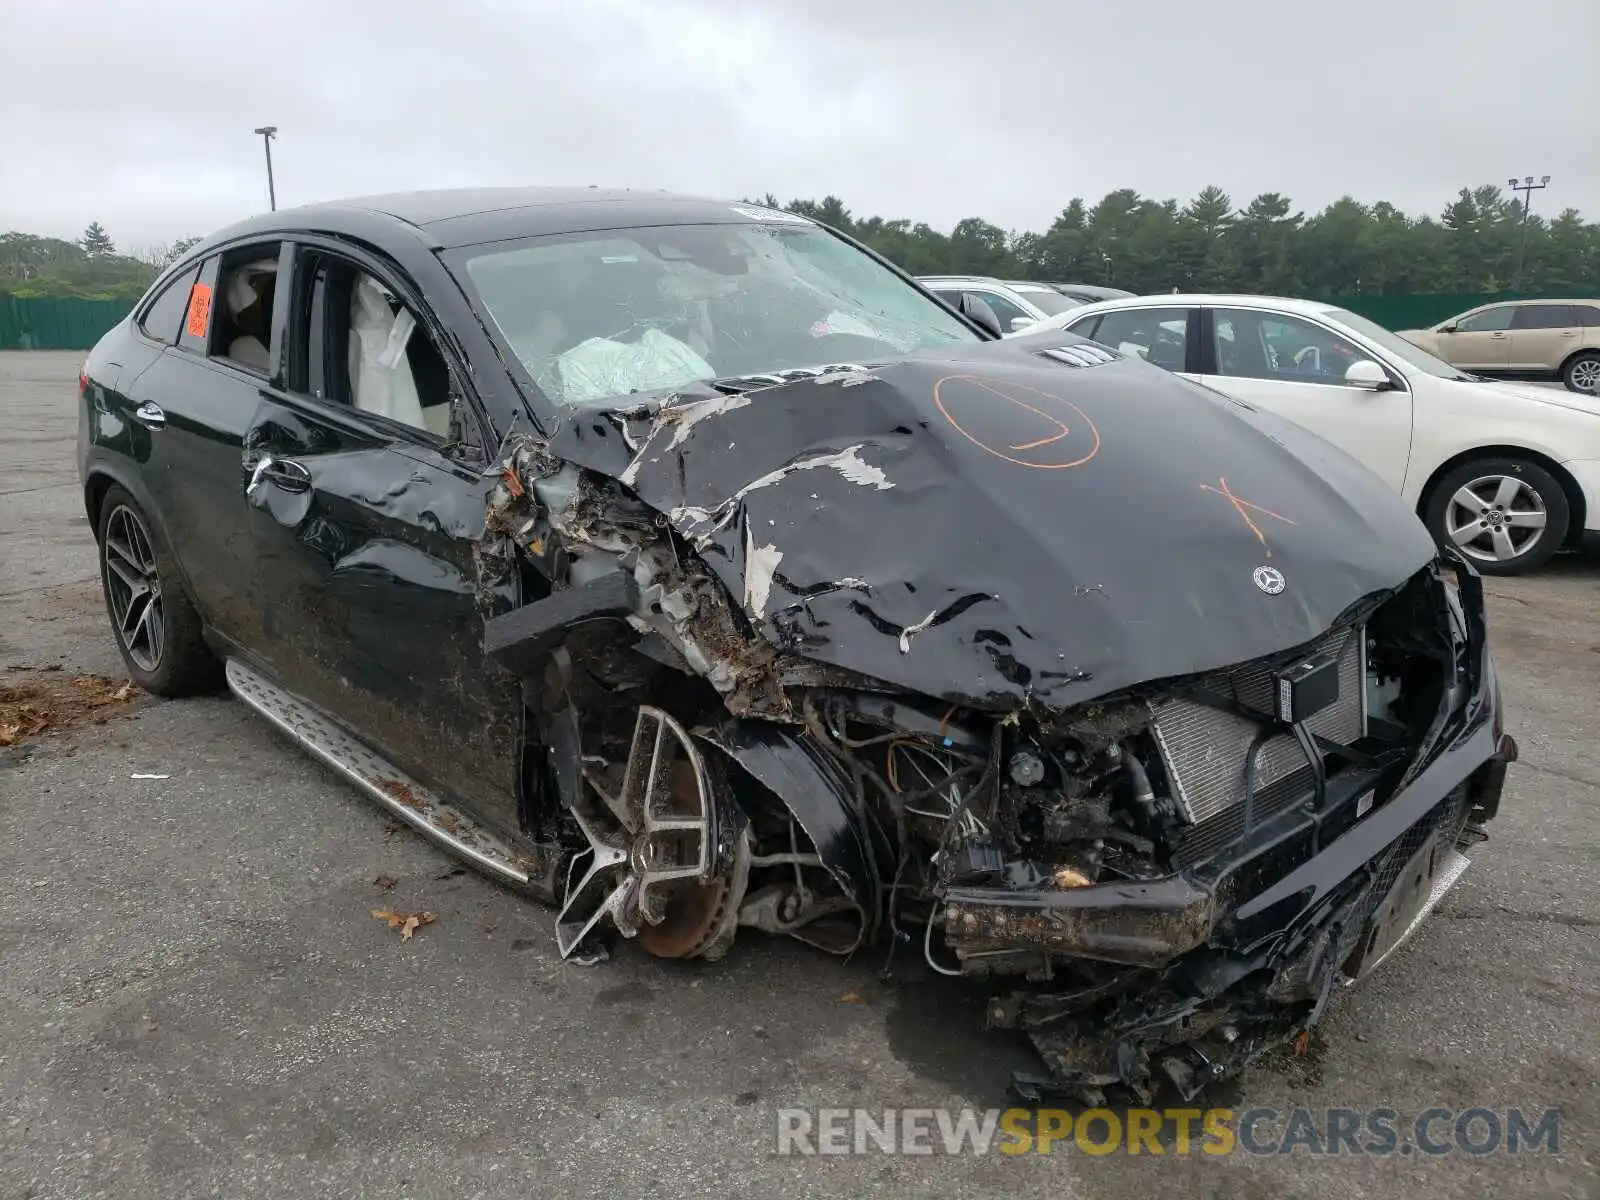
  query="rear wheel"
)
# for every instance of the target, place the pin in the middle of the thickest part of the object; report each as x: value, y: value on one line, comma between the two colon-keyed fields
x: 1508, y: 515
x: 156, y: 626
x: 1582, y: 372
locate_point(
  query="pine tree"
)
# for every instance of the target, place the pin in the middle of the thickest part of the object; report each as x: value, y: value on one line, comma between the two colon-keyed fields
x: 96, y: 241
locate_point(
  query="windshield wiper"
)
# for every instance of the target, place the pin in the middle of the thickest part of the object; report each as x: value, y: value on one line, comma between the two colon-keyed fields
x: 762, y: 379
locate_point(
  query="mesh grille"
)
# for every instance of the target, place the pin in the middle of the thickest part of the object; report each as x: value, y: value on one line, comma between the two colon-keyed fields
x: 1204, y: 748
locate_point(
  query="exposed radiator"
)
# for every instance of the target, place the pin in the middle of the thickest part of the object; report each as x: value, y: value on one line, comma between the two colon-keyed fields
x: 1204, y: 748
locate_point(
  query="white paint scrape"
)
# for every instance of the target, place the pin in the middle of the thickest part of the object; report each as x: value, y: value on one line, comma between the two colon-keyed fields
x: 760, y: 564
x: 682, y: 419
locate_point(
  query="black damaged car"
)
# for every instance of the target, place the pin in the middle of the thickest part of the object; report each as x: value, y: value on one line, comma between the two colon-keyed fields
x: 692, y: 569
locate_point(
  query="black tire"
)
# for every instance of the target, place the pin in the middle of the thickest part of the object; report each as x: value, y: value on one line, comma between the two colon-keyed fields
x: 1586, y: 362
x: 165, y: 653
x: 1480, y: 551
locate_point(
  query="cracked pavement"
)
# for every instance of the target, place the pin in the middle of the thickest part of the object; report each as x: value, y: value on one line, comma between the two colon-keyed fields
x: 197, y: 1001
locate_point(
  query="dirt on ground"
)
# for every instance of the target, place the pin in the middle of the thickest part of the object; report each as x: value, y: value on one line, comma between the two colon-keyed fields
x: 42, y: 700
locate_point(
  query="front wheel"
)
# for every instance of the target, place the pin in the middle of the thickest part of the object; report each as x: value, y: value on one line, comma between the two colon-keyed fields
x: 1582, y: 373
x: 157, y: 628
x: 1508, y: 515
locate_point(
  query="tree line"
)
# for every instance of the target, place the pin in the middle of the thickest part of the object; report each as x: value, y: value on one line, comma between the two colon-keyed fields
x: 1479, y: 243
x: 1209, y: 245
x: 92, y: 267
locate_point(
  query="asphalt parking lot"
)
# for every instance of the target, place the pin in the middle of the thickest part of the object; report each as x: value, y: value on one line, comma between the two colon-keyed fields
x: 196, y: 1000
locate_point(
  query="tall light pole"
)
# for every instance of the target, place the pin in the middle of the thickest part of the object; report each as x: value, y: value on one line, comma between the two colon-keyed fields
x: 268, y: 132
x: 1527, y: 187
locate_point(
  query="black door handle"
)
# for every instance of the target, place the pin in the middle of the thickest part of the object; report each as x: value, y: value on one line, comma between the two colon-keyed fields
x: 281, y: 472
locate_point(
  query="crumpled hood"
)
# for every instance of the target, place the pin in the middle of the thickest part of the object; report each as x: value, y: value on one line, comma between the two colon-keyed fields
x: 1007, y: 529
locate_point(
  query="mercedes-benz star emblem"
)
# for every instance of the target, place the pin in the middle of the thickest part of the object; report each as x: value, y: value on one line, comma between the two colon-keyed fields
x: 1269, y: 579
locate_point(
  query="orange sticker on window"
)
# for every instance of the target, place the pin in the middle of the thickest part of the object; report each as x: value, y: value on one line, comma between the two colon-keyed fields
x: 199, y: 310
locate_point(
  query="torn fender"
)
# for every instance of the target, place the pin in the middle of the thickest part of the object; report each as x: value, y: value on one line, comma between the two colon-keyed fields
x: 821, y: 798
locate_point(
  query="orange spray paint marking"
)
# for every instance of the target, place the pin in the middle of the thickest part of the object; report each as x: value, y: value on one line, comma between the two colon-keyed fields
x: 199, y: 310
x: 1240, y: 506
x: 974, y: 395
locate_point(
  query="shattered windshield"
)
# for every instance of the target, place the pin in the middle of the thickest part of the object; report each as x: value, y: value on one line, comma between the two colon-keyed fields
x: 597, y: 315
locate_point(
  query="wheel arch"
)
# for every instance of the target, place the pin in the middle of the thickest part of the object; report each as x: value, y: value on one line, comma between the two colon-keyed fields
x: 98, y: 481
x: 1580, y: 352
x: 1569, y: 486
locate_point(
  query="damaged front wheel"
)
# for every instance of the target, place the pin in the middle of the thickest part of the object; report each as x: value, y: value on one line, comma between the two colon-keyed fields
x: 668, y: 859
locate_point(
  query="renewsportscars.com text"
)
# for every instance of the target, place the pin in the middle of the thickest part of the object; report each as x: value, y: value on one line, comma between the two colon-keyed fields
x: 1376, y: 1132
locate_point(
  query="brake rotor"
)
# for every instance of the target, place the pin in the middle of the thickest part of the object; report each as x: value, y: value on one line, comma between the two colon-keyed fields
x: 653, y: 868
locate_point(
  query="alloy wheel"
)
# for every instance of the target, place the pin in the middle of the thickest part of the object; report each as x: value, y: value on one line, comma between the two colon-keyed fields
x: 1585, y: 375
x: 1495, y: 518
x: 134, y: 588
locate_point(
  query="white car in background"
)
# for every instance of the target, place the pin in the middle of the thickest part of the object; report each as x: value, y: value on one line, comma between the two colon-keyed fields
x: 1020, y: 307
x: 1507, y: 473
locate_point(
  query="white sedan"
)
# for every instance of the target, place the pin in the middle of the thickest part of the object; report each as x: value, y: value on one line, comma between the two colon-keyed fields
x: 1507, y: 473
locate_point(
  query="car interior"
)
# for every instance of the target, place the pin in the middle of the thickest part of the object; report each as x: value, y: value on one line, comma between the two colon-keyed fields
x: 245, y: 314
x: 376, y: 357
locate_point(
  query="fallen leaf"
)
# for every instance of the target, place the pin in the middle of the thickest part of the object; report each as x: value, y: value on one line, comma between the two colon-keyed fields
x: 408, y: 923
x: 385, y: 882
x: 123, y: 692
x: 851, y: 998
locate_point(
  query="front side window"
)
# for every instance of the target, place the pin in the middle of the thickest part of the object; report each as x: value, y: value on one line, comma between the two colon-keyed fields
x: 367, y: 349
x: 1263, y: 345
x: 1545, y: 316
x: 1490, y: 320
x: 1157, y: 335
x: 595, y: 316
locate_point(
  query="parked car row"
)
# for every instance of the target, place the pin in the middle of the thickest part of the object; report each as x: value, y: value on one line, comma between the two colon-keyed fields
x: 1506, y: 474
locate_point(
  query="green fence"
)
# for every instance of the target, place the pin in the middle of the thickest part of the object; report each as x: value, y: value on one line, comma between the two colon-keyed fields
x: 1420, y: 312
x: 56, y: 323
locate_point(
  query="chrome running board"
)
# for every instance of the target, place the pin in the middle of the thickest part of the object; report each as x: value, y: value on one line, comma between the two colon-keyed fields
x: 1455, y: 865
x: 419, y: 806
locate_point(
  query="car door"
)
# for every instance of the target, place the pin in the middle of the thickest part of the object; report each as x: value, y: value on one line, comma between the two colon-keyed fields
x: 1541, y: 337
x: 1479, y: 340
x: 192, y: 406
x: 367, y: 496
x: 1295, y: 367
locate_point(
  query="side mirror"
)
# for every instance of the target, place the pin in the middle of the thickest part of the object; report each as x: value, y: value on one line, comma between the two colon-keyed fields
x: 1450, y: 328
x: 1018, y: 324
x: 976, y: 309
x: 1367, y: 374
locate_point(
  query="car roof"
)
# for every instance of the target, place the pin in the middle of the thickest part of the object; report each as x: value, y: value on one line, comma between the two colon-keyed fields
x: 1532, y: 301
x: 1198, y: 299
x: 453, y: 217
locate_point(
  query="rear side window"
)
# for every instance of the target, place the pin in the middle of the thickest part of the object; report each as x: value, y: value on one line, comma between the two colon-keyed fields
x: 1545, y: 316
x: 163, y: 317
x: 1589, y: 315
x: 1157, y: 335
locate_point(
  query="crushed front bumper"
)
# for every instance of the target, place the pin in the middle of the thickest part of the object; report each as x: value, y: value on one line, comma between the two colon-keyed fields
x: 1198, y: 972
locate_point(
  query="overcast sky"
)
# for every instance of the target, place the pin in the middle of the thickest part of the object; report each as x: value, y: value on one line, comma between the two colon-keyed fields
x: 139, y: 115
